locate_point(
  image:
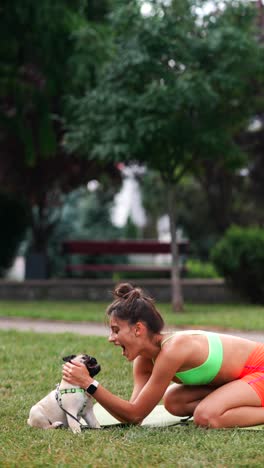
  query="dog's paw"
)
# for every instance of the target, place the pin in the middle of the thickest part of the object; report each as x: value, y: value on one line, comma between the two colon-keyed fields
x: 76, y: 430
x: 58, y: 425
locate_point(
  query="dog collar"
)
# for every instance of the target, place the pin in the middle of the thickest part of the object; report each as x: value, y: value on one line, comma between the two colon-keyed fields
x: 71, y: 390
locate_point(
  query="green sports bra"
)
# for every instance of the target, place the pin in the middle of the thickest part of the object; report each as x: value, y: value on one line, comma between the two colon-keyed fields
x: 206, y: 372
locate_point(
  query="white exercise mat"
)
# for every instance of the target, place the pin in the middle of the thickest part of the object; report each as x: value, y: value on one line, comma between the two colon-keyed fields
x: 158, y: 417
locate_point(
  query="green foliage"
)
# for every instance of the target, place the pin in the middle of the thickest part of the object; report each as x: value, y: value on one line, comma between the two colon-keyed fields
x: 171, y: 95
x: 131, y: 230
x: 48, y: 50
x: 197, y: 269
x: 14, y: 220
x: 59, y: 54
x: 30, y: 74
x: 239, y: 257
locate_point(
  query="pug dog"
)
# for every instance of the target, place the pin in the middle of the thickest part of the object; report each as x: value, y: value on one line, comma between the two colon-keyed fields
x: 67, y: 404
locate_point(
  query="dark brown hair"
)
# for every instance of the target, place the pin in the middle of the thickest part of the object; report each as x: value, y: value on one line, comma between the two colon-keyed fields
x: 131, y: 304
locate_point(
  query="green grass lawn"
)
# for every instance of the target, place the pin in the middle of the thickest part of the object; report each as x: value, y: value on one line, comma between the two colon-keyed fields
x: 31, y: 367
x: 240, y: 316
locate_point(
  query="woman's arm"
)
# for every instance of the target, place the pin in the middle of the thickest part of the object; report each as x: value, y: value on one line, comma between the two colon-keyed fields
x: 142, y: 370
x: 144, y: 397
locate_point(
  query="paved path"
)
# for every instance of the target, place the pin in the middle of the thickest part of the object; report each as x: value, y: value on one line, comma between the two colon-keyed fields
x: 84, y: 328
x: 53, y: 326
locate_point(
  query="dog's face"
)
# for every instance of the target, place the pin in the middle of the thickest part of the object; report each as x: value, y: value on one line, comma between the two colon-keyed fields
x: 90, y: 362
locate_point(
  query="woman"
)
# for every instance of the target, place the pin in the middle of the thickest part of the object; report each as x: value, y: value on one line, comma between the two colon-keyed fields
x: 219, y: 379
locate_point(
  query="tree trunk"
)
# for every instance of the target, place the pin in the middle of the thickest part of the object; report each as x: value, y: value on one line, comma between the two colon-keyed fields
x: 37, y: 262
x: 176, y: 289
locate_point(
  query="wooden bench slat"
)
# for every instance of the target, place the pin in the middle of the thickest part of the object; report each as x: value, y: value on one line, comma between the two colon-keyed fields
x: 117, y: 267
x: 119, y: 247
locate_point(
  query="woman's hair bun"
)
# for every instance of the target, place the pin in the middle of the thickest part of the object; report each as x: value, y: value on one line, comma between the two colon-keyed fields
x: 133, y: 305
x: 126, y: 290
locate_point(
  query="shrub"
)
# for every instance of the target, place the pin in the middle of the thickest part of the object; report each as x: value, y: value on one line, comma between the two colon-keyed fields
x: 239, y: 257
x: 198, y: 269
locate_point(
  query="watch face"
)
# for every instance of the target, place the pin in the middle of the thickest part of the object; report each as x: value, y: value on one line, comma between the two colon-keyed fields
x: 91, y: 389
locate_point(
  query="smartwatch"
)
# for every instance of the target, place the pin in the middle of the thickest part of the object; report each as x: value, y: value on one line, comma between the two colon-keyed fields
x: 92, y: 387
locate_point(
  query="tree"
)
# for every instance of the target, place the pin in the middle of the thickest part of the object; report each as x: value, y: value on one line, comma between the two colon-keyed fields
x: 237, y: 196
x: 192, y: 212
x: 176, y: 93
x: 48, y: 50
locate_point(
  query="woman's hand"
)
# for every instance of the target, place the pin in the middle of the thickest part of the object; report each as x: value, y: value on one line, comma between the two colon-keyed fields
x: 76, y: 373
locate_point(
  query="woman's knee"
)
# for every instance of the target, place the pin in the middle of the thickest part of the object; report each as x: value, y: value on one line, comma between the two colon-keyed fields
x: 174, y: 407
x: 174, y: 401
x: 206, y: 417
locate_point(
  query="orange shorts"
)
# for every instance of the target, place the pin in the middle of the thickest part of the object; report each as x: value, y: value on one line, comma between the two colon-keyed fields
x: 253, y: 372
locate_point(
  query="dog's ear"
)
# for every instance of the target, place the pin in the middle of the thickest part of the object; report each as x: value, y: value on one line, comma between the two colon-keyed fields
x: 69, y: 358
x: 94, y: 370
x: 91, y: 364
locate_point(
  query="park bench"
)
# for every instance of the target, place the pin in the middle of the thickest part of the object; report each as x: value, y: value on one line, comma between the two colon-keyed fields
x: 119, y: 247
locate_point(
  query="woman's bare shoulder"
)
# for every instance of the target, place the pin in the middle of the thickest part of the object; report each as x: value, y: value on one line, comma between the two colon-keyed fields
x: 176, y: 339
x: 177, y: 349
